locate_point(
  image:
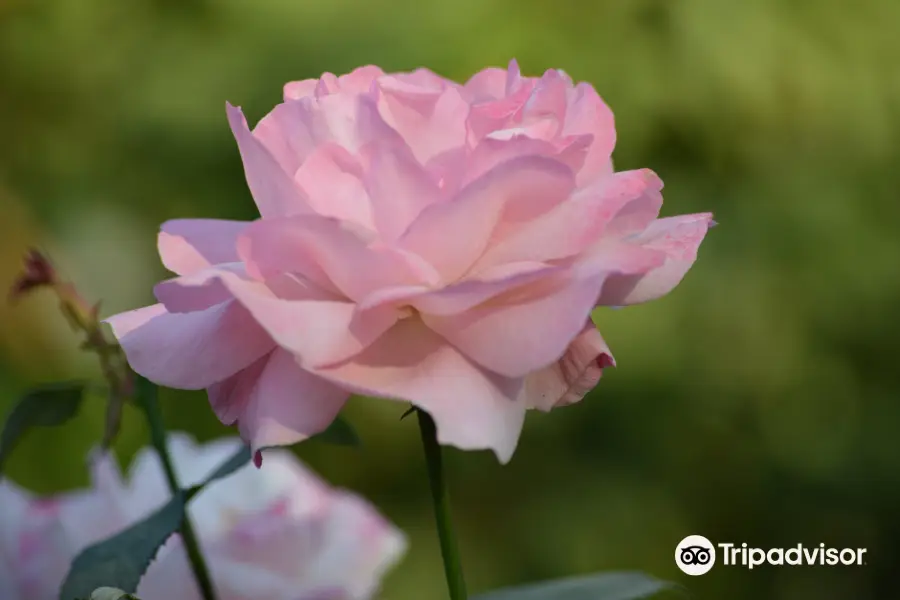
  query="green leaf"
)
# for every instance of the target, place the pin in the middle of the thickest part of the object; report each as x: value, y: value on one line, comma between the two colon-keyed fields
x: 603, y: 586
x: 340, y: 433
x: 124, y: 558
x: 48, y: 406
x: 108, y: 593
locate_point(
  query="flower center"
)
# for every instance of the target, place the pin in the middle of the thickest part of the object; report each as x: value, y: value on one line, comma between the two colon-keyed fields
x: 406, y: 312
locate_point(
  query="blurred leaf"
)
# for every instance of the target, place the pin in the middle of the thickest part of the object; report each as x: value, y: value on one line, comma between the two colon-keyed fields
x: 340, y: 433
x: 603, y: 586
x: 108, y: 593
x: 122, y: 559
x: 48, y: 406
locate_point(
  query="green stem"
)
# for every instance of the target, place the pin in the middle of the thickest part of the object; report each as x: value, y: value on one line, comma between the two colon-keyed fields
x: 441, y: 498
x: 150, y: 405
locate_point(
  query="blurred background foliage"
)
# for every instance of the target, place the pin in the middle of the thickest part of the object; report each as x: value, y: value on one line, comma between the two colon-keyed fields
x: 757, y: 403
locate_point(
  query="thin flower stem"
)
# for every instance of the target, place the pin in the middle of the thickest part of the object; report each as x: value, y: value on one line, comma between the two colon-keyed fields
x: 158, y: 439
x: 441, y: 498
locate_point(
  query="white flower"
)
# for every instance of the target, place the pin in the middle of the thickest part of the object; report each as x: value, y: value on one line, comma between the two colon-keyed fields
x: 275, y: 533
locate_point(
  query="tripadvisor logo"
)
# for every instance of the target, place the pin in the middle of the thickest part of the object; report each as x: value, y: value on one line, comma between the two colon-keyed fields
x: 696, y: 555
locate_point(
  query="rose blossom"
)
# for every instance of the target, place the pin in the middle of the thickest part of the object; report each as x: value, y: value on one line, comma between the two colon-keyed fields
x: 276, y: 533
x: 420, y: 240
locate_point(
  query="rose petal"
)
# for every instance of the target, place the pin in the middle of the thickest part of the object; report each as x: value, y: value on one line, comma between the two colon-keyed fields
x: 525, y: 331
x: 328, y: 252
x: 287, y: 133
x: 351, y: 121
x: 517, y: 190
x: 489, y: 284
x: 273, y: 190
x: 572, y: 376
x: 487, y: 84
x: 332, y: 179
x: 399, y: 189
x: 275, y: 402
x: 547, y: 102
x: 491, y: 152
x: 587, y: 113
x: 317, y: 331
x: 295, y: 90
x: 679, y: 239
x: 193, y: 350
x: 431, y: 123
x: 190, y: 245
x: 473, y: 409
x: 197, y: 291
x: 617, y: 205
x: 357, y: 81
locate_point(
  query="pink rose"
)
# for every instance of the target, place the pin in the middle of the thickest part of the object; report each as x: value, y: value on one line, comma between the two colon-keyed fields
x: 276, y: 533
x: 420, y: 240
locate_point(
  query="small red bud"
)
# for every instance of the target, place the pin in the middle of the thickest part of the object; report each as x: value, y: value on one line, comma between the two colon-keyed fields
x: 37, y: 272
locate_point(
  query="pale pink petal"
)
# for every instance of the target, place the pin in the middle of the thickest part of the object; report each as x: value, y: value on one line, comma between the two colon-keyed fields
x: 457, y: 297
x: 327, y: 251
x: 422, y: 79
x: 327, y: 84
x: 124, y: 323
x: 525, y: 330
x: 491, y: 152
x: 473, y: 408
x: 547, y: 102
x: 618, y: 205
x: 679, y: 239
x: 487, y: 84
x: 272, y: 188
x: 361, y: 548
x: 462, y: 296
x: 352, y: 122
x: 190, y: 350
x: 359, y: 80
x: 486, y: 117
x: 587, y: 113
x: 229, y: 398
x: 199, y: 290
x: 190, y: 245
x: 295, y: 90
x: 318, y: 331
x: 430, y: 123
x: 9, y: 589
x: 276, y: 403
x: 332, y: 179
x: 572, y: 376
x: 170, y: 575
x: 47, y: 555
x: 515, y: 191
x: 514, y: 78
x: 36, y: 546
x: 287, y: 133
x: 399, y: 189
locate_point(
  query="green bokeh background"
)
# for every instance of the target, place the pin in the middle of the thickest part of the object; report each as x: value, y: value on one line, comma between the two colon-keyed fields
x: 757, y: 403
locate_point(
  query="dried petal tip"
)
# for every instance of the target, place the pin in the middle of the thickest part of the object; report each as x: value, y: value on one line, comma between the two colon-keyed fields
x: 712, y: 223
x: 37, y: 272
